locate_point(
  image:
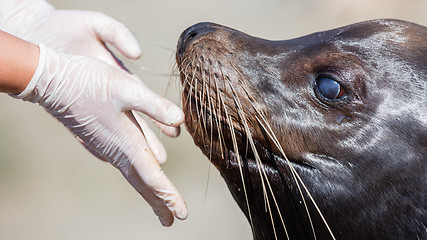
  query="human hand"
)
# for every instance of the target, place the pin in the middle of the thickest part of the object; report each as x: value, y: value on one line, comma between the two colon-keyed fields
x: 69, y: 31
x: 95, y: 101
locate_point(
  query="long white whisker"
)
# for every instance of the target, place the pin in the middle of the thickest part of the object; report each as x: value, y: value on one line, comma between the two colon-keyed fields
x: 258, y: 161
x: 296, y: 176
x: 237, y: 155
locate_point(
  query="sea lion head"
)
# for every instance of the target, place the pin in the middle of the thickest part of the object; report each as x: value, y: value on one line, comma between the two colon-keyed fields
x: 318, y: 137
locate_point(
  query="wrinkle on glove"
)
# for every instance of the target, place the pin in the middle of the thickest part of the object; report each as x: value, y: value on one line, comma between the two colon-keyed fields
x: 97, y: 102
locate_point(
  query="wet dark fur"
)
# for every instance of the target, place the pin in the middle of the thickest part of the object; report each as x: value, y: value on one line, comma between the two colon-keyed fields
x: 312, y: 168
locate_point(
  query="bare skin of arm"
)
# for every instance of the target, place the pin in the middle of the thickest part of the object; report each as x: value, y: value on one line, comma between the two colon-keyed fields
x: 18, y: 62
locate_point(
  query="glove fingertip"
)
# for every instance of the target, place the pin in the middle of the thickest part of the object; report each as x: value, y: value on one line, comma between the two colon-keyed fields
x: 174, y: 116
x: 170, y: 131
x: 130, y: 50
x: 181, y: 215
x: 114, y: 32
x: 162, y: 159
x: 125, y: 42
x: 178, y: 207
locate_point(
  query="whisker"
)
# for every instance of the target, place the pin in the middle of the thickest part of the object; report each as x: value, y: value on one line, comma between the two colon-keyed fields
x: 211, y: 136
x: 203, y: 93
x: 272, y: 136
x: 237, y: 155
x: 296, y: 176
x: 218, y: 118
x: 259, y: 164
x: 190, y: 91
x: 158, y: 74
x: 185, y: 80
x: 157, y: 45
x: 197, y: 102
x: 208, y: 180
x: 220, y: 104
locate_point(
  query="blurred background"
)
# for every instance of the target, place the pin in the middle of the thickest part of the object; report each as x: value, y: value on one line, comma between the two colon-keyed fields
x: 51, y: 188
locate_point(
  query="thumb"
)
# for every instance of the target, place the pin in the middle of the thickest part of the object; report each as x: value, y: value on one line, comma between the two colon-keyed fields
x: 115, y: 33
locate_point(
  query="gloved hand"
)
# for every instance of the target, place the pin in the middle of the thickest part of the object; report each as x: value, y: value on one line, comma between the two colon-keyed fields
x: 69, y: 31
x: 85, y: 33
x: 78, y: 33
x: 94, y: 100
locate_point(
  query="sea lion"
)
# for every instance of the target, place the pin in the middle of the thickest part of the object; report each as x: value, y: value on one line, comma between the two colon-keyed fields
x: 318, y: 137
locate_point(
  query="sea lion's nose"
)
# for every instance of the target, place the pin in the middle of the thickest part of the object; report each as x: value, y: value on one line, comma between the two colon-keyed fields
x: 192, y: 33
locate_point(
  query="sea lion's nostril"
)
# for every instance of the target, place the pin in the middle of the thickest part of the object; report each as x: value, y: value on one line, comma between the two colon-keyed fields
x: 192, y: 33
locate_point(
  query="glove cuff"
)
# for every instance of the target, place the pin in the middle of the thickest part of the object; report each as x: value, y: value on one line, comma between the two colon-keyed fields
x: 34, y: 91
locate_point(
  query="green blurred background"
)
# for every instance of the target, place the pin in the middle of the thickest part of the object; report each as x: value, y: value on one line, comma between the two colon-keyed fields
x: 51, y: 188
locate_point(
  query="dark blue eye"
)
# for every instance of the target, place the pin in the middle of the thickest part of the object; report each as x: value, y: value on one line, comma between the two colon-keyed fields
x: 330, y: 88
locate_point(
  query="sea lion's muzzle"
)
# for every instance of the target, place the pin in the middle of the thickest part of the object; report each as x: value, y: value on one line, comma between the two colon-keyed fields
x: 218, y: 90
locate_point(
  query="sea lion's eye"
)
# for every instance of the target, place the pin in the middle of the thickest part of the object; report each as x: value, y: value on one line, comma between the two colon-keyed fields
x: 329, y: 88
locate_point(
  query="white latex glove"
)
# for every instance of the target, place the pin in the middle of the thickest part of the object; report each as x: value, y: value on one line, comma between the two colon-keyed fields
x: 69, y: 31
x: 78, y: 33
x: 94, y: 100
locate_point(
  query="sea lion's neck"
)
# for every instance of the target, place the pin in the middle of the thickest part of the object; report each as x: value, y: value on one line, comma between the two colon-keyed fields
x: 286, y: 215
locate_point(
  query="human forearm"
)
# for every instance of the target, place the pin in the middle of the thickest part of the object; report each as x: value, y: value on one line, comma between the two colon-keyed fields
x: 18, y: 62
